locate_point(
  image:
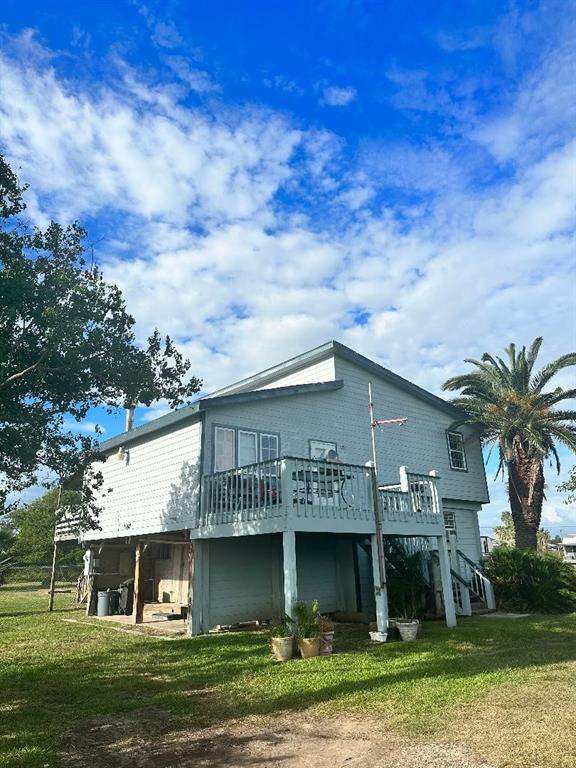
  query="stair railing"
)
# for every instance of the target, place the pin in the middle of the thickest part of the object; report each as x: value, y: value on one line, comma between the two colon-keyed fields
x: 479, y: 584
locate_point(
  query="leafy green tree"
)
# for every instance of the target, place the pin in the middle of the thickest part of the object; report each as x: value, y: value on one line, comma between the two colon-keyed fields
x: 67, y: 344
x: 7, y: 538
x: 569, y: 487
x: 34, y: 524
x: 508, y: 405
x: 505, y: 534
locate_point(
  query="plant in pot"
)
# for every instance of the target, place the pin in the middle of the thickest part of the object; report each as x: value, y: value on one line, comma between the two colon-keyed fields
x: 407, y: 588
x: 326, y: 636
x: 307, y: 617
x: 282, y: 638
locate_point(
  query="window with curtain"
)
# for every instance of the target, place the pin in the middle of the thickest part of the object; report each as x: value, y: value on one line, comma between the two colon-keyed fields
x: 224, y: 449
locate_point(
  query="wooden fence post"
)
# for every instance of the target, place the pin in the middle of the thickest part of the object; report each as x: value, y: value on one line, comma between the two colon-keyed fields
x: 138, y: 607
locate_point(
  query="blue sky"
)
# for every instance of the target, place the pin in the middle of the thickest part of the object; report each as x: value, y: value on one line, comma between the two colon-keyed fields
x: 261, y: 177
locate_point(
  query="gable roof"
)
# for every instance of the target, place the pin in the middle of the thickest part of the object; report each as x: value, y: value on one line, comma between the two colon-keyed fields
x: 188, y: 412
x: 330, y: 349
x: 247, y: 390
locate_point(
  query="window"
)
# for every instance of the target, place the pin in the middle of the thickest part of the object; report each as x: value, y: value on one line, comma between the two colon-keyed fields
x: 456, y: 451
x: 247, y: 448
x: 268, y: 447
x: 449, y: 521
x: 319, y: 449
x: 224, y: 453
x: 241, y: 447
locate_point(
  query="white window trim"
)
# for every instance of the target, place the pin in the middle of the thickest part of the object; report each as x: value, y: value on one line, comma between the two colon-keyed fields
x: 236, y: 431
x: 256, y: 446
x: 235, y: 457
x: 268, y: 434
x: 462, y: 451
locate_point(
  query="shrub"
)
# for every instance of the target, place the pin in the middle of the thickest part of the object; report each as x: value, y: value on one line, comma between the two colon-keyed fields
x: 532, y: 581
x: 282, y: 627
x: 307, y: 616
x: 408, y: 589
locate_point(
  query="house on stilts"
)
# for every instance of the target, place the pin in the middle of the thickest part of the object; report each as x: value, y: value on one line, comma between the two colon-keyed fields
x: 263, y: 493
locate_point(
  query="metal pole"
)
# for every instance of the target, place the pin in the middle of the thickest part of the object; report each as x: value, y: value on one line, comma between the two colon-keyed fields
x: 374, y: 479
x: 372, y: 425
x: 53, y: 572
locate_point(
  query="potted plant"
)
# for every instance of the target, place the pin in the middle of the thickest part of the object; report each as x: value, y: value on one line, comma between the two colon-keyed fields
x: 282, y: 638
x: 307, y: 617
x: 326, y: 636
x: 407, y: 588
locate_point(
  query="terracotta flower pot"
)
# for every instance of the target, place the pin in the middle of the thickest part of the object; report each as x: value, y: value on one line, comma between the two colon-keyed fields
x: 282, y: 648
x: 408, y: 629
x: 326, y: 640
x: 309, y: 646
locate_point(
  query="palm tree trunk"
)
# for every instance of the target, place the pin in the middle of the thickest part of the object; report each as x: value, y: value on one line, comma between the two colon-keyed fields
x: 526, y: 493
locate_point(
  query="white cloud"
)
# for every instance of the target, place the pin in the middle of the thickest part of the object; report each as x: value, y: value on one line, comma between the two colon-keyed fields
x: 196, y: 79
x: 338, y: 96
x: 250, y: 240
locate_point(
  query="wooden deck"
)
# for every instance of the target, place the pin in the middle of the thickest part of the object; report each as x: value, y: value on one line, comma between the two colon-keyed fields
x: 298, y: 494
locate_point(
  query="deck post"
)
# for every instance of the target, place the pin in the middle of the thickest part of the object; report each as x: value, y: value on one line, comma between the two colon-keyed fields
x: 448, y: 596
x: 138, y: 607
x: 379, y: 559
x: 380, y: 591
x: 290, y: 573
x: 89, y: 577
x: 196, y: 588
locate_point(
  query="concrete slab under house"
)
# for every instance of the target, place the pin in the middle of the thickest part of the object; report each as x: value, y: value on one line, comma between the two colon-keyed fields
x: 265, y: 492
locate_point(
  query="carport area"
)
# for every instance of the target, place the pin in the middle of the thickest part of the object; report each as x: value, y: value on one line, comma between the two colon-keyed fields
x: 142, y: 580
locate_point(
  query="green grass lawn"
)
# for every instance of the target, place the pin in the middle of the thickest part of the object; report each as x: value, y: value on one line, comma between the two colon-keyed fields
x: 514, y: 678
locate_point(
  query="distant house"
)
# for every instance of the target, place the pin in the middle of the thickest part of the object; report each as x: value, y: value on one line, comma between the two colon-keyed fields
x: 488, y: 544
x: 261, y: 493
x: 568, y: 549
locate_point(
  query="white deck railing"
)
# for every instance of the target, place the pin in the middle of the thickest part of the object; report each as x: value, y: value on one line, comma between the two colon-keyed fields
x: 413, y: 503
x: 301, y: 489
x: 304, y: 494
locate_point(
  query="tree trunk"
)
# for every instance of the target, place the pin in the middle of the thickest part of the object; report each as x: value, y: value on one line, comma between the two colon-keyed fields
x: 526, y: 492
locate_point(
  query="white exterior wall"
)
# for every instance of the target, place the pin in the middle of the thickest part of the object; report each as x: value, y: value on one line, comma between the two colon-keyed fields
x: 155, y: 490
x: 313, y: 374
x: 467, y: 528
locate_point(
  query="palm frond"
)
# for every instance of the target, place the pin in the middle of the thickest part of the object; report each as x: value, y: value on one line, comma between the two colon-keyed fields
x: 549, y: 371
x: 533, y: 353
x: 559, y: 394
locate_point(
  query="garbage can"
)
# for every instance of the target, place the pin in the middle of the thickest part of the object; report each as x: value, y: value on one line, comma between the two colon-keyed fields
x: 103, y: 607
x: 126, y: 597
x: 114, y: 599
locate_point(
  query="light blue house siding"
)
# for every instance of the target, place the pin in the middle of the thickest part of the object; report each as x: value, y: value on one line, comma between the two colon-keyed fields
x: 243, y: 576
x: 156, y: 481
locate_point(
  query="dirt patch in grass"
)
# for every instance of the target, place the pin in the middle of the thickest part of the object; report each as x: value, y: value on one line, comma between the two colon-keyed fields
x: 145, y: 740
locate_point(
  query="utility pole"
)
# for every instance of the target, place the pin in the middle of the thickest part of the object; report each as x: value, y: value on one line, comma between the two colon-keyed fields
x: 54, y: 553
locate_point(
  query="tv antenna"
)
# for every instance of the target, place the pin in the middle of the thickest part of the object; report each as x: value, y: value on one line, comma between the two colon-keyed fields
x: 374, y: 423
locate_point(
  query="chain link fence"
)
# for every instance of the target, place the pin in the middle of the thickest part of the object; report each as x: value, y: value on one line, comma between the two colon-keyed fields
x: 31, y: 578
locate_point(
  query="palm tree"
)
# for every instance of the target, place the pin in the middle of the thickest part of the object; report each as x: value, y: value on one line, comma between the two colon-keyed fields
x: 506, y: 402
